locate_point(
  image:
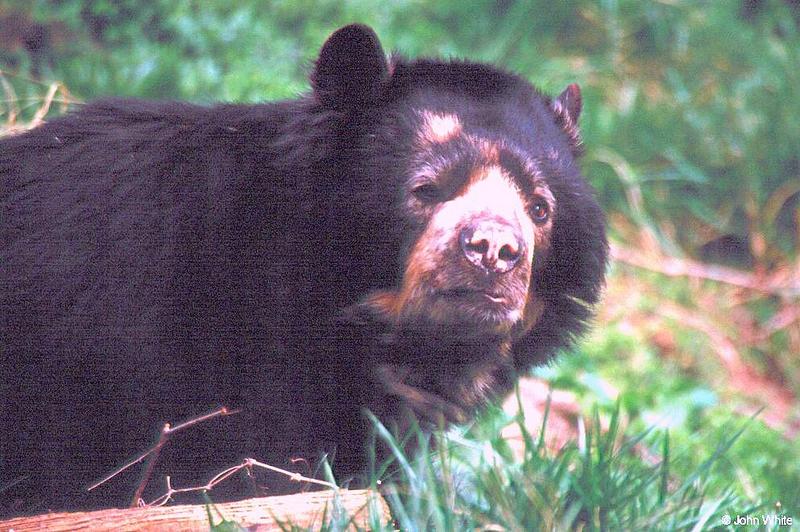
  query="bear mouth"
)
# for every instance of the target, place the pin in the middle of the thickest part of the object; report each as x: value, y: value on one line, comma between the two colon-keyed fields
x: 473, y: 294
x: 476, y: 310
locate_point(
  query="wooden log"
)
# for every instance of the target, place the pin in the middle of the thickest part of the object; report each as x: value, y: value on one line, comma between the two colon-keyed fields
x: 265, y: 513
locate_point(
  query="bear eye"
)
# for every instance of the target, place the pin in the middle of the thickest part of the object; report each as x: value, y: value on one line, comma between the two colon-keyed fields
x: 427, y: 193
x: 540, y: 211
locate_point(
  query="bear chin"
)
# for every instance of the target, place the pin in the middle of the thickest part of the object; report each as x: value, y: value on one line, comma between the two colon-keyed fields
x: 454, y: 313
x: 472, y: 312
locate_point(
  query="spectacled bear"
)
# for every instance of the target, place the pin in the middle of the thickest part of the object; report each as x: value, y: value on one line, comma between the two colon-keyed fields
x: 408, y: 237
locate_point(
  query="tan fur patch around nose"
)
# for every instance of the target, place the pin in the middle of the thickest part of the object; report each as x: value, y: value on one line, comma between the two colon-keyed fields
x: 490, y: 189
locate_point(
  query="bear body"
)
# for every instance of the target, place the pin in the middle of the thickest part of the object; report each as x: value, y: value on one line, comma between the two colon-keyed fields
x: 409, y: 236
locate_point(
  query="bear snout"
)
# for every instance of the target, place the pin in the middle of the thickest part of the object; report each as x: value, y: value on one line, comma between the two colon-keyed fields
x: 493, y: 246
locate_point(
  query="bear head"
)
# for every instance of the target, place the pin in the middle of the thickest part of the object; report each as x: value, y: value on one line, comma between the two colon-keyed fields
x: 486, y: 247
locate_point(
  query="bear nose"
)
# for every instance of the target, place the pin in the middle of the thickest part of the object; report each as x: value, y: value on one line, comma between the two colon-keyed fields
x: 491, y: 245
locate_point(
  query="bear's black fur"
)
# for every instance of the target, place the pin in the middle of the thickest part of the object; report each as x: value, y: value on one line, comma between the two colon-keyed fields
x: 409, y: 236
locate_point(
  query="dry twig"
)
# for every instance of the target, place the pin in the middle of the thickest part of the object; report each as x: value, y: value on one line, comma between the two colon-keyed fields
x: 155, y: 450
x: 247, y: 463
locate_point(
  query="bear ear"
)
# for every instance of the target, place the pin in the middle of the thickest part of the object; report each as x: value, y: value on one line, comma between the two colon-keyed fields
x: 567, y: 108
x: 350, y: 69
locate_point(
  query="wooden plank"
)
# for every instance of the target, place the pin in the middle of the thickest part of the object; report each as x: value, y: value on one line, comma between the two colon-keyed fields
x: 303, y: 509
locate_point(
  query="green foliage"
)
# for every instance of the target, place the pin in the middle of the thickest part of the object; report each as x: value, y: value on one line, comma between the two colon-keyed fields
x: 616, y: 369
x: 701, y: 105
x: 473, y: 480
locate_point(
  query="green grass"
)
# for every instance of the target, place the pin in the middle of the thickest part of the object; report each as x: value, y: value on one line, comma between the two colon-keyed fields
x: 470, y: 479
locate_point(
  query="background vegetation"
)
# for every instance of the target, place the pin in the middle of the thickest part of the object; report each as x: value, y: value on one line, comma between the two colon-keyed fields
x: 692, y: 128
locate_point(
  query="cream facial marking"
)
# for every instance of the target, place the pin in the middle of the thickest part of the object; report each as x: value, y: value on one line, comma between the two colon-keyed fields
x: 489, y: 190
x: 439, y: 127
x: 492, y: 190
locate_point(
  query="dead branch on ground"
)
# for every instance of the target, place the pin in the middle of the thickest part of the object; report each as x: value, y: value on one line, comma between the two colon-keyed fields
x: 303, y: 510
x: 154, y: 451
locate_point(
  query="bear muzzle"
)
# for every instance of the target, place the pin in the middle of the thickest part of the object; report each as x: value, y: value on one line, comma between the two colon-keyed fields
x: 491, y: 245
